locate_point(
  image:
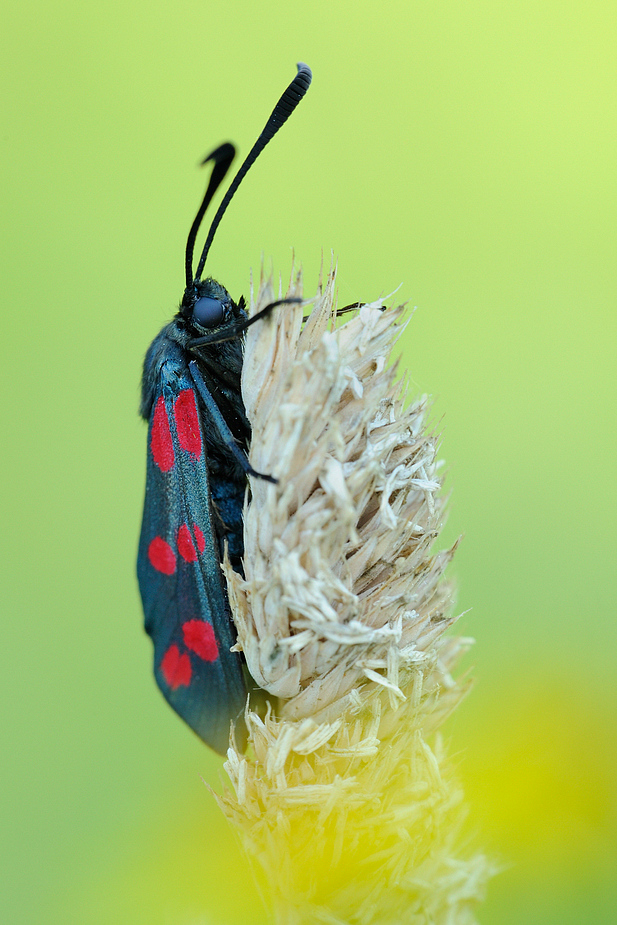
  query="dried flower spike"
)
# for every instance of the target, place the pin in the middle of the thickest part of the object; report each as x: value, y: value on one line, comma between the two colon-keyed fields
x: 349, y: 813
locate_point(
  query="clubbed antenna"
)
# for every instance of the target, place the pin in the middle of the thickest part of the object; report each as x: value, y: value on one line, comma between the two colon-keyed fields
x: 281, y: 112
x: 222, y: 158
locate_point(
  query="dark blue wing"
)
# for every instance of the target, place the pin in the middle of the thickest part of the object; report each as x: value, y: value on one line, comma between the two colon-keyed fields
x: 180, y: 579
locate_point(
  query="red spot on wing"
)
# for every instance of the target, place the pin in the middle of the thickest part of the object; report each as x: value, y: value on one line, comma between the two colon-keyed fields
x: 161, y: 443
x: 186, y: 547
x: 199, y: 638
x: 187, y: 422
x: 162, y: 556
x: 176, y: 668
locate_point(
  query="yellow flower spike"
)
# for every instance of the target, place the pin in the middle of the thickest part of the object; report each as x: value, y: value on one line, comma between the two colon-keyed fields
x: 340, y: 800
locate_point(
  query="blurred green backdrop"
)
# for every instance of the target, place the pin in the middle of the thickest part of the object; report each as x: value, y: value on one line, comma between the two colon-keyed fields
x: 464, y: 150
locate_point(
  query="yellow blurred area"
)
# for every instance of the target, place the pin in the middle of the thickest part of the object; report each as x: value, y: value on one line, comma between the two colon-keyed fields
x: 550, y: 753
x: 540, y: 778
x: 463, y: 151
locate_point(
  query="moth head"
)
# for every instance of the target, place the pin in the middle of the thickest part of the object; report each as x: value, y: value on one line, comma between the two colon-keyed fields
x: 207, y: 305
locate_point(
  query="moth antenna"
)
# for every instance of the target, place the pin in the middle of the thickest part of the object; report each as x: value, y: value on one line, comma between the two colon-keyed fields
x: 222, y: 158
x: 281, y: 112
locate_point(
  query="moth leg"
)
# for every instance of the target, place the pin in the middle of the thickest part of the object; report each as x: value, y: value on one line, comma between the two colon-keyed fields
x: 344, y: 309
x: 221, y: 425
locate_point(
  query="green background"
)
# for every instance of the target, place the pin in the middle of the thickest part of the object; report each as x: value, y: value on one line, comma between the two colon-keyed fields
x: 465, y: 150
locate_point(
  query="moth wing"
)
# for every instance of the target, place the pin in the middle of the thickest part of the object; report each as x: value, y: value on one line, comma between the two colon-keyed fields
x: 182, y: 587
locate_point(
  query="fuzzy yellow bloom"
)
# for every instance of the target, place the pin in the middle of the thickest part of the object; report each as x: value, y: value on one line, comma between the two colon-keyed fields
x: 344, y: 800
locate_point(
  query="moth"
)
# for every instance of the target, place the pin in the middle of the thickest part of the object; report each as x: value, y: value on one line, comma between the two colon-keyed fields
x: 197, y: 469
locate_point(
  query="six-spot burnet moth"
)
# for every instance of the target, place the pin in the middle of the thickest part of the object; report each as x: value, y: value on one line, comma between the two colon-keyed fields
x: 197, y: 469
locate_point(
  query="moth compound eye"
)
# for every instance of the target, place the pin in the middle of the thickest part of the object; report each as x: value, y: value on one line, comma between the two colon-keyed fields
x: 208, y: 312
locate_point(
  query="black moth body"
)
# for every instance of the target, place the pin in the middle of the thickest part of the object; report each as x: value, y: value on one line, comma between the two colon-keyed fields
x: 220, y: 366
x: 196, y: 479
x: 193, y: 484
